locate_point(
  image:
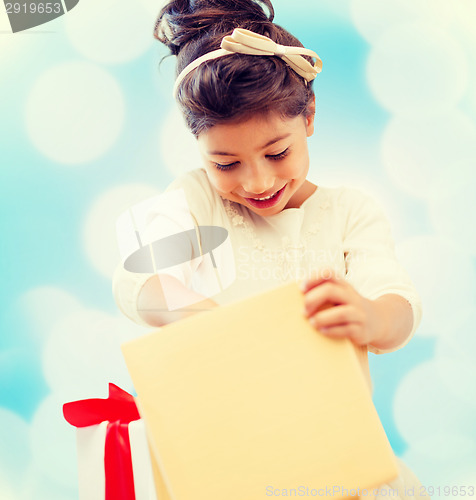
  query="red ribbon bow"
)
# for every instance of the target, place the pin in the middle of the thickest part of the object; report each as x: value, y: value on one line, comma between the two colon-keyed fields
x: 119, y: 409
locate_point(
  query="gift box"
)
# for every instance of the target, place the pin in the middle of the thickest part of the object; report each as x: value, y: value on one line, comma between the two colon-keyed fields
x: 248, y: 401
x: 114, y: 460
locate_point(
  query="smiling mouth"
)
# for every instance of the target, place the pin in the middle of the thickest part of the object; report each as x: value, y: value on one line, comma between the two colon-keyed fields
x: 267, y: 201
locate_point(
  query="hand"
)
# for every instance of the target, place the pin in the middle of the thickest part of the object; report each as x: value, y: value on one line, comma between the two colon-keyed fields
x: 337, y: 310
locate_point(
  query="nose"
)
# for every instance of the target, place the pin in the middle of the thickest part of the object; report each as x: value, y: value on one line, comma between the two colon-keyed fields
x: 258, y: 178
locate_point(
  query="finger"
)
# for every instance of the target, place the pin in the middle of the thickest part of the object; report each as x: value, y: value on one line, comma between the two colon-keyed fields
x: 337, y: 315
x: 350, y: 331
x: 317, y: 279
x: 326, y: 294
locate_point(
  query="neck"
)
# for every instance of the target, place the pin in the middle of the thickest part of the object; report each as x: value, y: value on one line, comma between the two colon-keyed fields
x: 301, y: 195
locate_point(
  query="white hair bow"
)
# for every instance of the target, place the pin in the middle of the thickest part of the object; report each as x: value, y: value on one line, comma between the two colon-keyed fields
x: 243, y: 41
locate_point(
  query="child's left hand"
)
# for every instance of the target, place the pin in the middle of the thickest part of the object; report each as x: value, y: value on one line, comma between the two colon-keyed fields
x: 337, y: 310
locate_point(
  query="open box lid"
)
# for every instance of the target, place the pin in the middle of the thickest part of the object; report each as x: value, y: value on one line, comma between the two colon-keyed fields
x: 249, y: 398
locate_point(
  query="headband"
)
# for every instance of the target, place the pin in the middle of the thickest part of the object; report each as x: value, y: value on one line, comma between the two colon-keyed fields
x: 243, y: 41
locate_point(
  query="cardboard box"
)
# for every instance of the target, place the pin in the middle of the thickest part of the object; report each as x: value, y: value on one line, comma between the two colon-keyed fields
x: 248, y: 399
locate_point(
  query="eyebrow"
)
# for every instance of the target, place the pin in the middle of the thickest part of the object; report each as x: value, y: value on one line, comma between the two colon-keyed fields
x: 269, y: 143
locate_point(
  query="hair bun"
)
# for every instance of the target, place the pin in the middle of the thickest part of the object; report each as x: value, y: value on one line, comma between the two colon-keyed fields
x: 181, y: 21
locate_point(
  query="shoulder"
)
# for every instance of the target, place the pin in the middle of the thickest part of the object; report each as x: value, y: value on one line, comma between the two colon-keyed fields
x: 195, y: 183
x: 201, y: 196
x: 347, y: 201
x: 357, y: 214
x: 346, y: 196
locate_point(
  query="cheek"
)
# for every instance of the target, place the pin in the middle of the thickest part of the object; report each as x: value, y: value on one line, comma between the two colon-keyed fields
x: 298, y: 168
x: 223, y: 182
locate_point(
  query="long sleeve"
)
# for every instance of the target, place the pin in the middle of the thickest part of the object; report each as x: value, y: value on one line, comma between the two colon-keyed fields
x: 371, y: 264
x: 155, y: 219
x: 126, y: 287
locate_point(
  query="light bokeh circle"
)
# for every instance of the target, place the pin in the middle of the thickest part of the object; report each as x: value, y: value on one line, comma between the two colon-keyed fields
x: 82, y: 355
x: 153, y: 6
x: 450, y: 212
x: 99, y: 230
x: 454, y: 355
x: 110, y: 31
x: 12, y: 48
x: 445, y: 278
x: 449, y: 445
x: 53, y: 442
x: 15, y: 452
x: 7, y: 488
x: 74, y: 112
x: 373, y: 18
x: 417, y: 69
x: 177, y: 145
x: 462, y: 476
x: 465, y: 11
x: 417, y: 152
x: 461, y: 343
x: 434, y: 458
x: 423, y: 407
x: 43, y: 304
x: 459, y: 376
x: 471, y: 97
x: 36, y: 485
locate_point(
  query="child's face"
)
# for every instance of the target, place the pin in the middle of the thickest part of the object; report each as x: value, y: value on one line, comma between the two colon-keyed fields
x: 261, y: 157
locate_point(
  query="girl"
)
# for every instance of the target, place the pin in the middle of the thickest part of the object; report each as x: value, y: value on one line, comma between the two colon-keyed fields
x: 245, y: 89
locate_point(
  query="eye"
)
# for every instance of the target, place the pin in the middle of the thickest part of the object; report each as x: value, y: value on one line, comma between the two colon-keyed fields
x: 228, y: 166
x: 279, y: 156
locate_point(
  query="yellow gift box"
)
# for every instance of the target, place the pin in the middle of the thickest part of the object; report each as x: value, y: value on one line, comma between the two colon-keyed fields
x: 248, y: 401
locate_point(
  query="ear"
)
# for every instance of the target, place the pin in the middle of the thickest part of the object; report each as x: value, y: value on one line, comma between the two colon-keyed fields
x: 311, y: 113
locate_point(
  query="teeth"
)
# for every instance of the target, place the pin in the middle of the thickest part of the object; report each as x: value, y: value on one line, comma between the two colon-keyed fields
x: 267, y: 197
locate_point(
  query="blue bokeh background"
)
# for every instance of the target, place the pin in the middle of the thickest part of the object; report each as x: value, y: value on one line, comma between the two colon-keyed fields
x: 88, y: 127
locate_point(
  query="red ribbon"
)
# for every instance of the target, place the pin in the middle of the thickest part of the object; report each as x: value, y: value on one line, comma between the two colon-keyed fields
x: 119, y: 409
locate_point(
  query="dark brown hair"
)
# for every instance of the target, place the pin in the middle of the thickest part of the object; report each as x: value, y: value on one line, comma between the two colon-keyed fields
x: 233, y: 87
